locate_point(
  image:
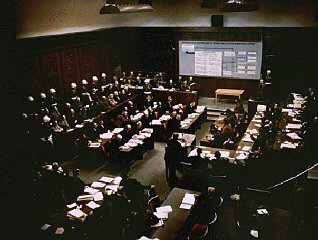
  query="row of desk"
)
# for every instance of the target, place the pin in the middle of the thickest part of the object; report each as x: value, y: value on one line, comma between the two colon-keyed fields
x: 161, y: 95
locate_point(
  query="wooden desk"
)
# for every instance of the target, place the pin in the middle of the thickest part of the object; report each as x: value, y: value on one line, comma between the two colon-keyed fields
x: 177, y: 217
x: 161, y: 95
x: 228, y: 92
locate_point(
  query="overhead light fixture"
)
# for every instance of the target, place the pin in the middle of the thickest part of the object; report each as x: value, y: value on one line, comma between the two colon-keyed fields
x: 126, y: 6
x: 239, y: 6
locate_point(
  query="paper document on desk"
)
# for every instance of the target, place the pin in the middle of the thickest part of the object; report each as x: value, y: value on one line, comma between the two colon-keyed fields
x: 247, y: 138
x: 185, y: 206
x: 246, y: 148
x: 118, y: 130
x: 262, y: 211
x: 92, y: 205
x: 59, y: 231
x: 91, y: 191
x: 155, y: 122
x: 98, y: 197
x: 98, y: 185
x: 166, y: 209
x: 293, y: 126
x: 224, y: 154
x: 287, y: 144
x: 188, y: 200
x: 85, y: 198
x: 261, y: 108
x: 287, y: 110
x: 146, y: 238
x: 94, y: 145
x: 117, y: 180
x: 161, y: 215
x: 77, y: 213
x: 294, y: 136
x: 106, y: 179
x: 45, y: 227
x: 253, y: 131
x: 73, y: 205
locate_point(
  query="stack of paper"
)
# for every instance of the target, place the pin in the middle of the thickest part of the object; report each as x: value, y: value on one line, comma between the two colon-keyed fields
x: 94, y: 145
x: 147, y: 130
x: 293, y: 126
x: 246, y: 148
x: 112, y: 187
x: 287, y: 110
x: 73, y: 205
x: 262, y: 211
x: 253, y: 131
x: 200, y: 109
x: 294, y: 136
x: 287, y: 144
x: 76, y: 213
x: 98, y: 185
x: 98, y: 197
x: 155, y: 122
x: 117, y: 180
x: 118, y: 130
x: 224, y: 154
x: 261, y: 108
x: 146, y: 238
x: 45, y: 227
x: 187, y: 201
x: 106, y: 136
x: 164, y: 209
x: 106, y: 179
x: 91, y: 191
x: 247, y: 138
x: 59, y: 231
x: 85, y: 198
x: 92, y: 205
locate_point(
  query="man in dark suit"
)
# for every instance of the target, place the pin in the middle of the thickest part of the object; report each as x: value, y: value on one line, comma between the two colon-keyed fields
x: 168, y: 104
x: 173, y: 159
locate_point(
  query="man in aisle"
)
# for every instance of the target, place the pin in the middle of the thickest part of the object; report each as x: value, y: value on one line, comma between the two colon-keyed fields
x: 173, y: 159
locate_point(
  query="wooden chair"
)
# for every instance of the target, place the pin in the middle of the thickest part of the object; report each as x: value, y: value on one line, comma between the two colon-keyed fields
x: 195, y: 87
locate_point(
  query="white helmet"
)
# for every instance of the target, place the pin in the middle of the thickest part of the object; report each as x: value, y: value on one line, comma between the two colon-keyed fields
x: 95, y: 78
x: 84, y: 82
x: 46, y: 119
x: 73, y: 85
x: 52, y: 90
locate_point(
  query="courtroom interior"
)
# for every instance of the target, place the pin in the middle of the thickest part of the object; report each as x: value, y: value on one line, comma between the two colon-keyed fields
x: 159, y: 119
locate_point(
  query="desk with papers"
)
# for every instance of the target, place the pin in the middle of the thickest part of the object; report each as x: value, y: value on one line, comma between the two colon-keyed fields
x: 178, y: 204
x: 75, y: 213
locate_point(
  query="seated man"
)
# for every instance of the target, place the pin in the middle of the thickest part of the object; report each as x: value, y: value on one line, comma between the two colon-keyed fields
x: 122, y: 119
x: 197, y: 162
x: 219, y: 165
x: 206, y: 206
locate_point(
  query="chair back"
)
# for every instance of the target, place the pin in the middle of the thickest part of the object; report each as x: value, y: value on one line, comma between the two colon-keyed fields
x: 195, y: 87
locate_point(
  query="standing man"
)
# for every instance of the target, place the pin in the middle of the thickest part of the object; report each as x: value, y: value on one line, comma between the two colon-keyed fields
x: 173, y: 159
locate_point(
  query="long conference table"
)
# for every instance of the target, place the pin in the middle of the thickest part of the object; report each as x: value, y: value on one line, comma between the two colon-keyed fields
x: 174, y: 226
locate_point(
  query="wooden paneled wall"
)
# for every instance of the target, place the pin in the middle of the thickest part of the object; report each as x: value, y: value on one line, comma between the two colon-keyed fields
x: 59, y: 68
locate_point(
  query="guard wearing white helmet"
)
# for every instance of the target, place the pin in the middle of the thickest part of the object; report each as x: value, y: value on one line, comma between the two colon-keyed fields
x: 52, y: 98
x: 268, y: 75
x: 74, y: 93
x: 43, y: 102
